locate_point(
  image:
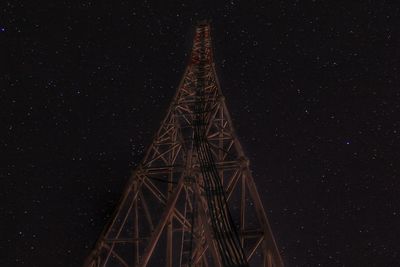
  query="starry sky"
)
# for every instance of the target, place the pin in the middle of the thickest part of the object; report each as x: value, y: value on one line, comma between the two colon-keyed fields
x: 312, y: 86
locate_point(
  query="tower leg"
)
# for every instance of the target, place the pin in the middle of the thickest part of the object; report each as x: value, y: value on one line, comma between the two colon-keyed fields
x: 169, y: 229
x: 136, y: 228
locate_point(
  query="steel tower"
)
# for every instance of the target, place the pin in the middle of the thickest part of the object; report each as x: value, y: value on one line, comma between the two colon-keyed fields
x: 192, y: 201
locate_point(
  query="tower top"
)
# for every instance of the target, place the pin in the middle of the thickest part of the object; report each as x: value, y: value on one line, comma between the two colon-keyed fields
x: 202, y: 46
x: 203, y: 22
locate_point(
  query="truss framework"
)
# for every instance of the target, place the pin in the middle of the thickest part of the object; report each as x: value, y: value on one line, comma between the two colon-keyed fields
x: 170, y: 213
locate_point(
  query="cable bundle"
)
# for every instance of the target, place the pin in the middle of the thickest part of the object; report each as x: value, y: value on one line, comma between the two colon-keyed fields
x: 226, y: 235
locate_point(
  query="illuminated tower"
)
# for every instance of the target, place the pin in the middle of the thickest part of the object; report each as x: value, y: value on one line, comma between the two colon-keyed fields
x: 192, y: 201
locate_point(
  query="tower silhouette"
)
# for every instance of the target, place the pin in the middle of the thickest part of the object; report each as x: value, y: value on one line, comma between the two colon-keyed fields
x: 192, y: 201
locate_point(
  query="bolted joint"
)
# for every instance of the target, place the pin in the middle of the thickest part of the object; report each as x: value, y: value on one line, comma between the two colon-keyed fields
x: 244, y: 162
x: 189, y: 180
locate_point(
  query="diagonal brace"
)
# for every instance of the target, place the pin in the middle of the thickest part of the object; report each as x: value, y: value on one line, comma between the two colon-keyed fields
x: 169, y: 209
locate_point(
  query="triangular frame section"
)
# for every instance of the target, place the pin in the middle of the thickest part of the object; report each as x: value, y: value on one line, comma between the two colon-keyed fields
x: 192, y: 201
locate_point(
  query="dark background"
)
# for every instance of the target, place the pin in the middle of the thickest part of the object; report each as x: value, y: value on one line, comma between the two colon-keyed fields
x: 312, y: 86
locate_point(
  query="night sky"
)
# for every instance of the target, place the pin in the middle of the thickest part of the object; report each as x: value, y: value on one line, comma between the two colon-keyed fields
x: 312, y: 86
